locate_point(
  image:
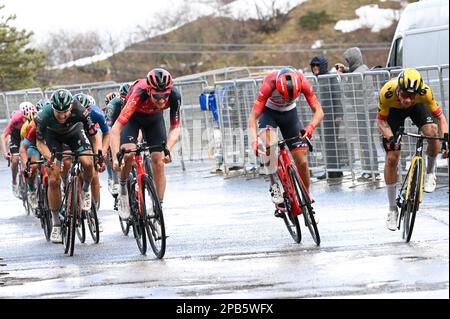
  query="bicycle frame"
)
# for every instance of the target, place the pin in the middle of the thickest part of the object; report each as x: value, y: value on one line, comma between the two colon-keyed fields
x: 284, y: 161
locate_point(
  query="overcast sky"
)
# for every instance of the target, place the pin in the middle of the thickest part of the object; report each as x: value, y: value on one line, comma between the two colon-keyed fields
x: 116, y: 16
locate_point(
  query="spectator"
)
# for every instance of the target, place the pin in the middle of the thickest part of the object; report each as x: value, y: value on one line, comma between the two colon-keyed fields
x: 330, y: 99
x: 369, y: 162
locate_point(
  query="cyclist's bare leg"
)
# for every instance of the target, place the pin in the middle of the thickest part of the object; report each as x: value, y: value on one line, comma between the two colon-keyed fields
x: 301, y: 162
x: 159, y: 173
x: 95, y: 187
x: 54, y: 188
x: 88, y: 169
x: 127, y: 161
x: 66, y: 165
x: 433, y: 145
x: 390, y: 167
x: 32, y: 178
x: 14, y: 168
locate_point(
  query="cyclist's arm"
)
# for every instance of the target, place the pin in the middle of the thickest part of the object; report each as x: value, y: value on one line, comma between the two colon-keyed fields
x: 3, y: 138
x: 442, y: 124
x: 253, y: 125
x: 43, y: 149
x: 385, y: 129
x: 23, y: 153
x: 115, y: 139
x: 313, y: 103
x: 174, y: 131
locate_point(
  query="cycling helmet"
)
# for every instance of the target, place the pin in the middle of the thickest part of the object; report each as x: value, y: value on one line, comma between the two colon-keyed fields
x: 61, y: 100
x: 91, y: 99
x: 110, y: 96
x: 410, y: 80
x: 123, y: 90
x: 26, y: 108
x: 82, y: 98
x: 288, y: 83
x: 159, y: 80
x: 40, y: 104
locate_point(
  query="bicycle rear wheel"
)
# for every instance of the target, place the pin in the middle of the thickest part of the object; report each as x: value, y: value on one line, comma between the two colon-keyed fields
x: 137, y: 221
x: 44, y: 211
x: 81, y: 228
x: 92, y: 221
x: 412, y: 202
x: 290, y: 219
x: 154, y: 219
x: 305, y: 204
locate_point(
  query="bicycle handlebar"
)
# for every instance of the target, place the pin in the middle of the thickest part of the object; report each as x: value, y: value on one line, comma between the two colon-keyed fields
x: 306, y: 139
x: 401, y: 132
x: 141, y: 147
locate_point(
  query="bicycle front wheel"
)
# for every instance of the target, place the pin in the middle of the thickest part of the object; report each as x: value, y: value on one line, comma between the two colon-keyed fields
x: 44, y: 211
x: 137, y: 222
x: 290, y: 219
x: 412, y: 202
x: 154, y: 219
x: 305, y: 204
x: 70, y: 218
x: 81, y: 228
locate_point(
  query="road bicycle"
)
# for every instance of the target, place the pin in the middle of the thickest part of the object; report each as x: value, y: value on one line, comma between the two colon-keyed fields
x: 410, y: 194
x: 22, y: 186
x: 42, y: 210
x: 146, y: 215
x: 72, y: 215
x: 297, y: 200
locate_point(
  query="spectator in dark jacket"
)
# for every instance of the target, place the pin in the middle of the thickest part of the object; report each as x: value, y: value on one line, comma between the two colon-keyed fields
x: 330, y: 99
x: 366, y: 116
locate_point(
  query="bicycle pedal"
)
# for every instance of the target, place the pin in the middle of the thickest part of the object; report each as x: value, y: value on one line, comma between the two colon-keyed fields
x: 278, y: 214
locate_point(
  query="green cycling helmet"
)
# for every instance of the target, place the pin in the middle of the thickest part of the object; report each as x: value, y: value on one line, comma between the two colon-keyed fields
x: 61, y: 100
x: 124, y: 88
x: 83, y: 99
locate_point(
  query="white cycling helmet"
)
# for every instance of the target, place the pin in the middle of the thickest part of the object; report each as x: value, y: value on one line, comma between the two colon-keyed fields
x: 91, y: 99
x: 26, y: 108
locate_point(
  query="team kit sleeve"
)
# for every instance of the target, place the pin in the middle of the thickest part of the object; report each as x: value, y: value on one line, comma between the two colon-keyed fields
x: 175, y: 105
x: 265, y: 92
x: 386, y: 93
x: 429, y: 100
x: 130, y: 107
x: 308, y: 92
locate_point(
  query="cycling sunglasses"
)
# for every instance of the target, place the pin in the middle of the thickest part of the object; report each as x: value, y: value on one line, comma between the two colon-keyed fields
x: 159, y: 96
x: 407, y: 95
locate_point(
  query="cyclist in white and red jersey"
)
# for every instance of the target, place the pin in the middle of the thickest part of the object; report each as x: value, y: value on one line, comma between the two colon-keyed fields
x: 276, y: 107
x: 146, y: 101
x: 14, y: 126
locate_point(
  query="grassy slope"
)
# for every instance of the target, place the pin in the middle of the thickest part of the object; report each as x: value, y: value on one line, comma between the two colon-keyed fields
x: 127, y: 65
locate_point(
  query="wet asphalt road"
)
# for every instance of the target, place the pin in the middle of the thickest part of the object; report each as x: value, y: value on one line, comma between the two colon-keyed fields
x: 224, y: 242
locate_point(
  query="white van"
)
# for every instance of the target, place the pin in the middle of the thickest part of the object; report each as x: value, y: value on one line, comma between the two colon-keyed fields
x: 421, y: 37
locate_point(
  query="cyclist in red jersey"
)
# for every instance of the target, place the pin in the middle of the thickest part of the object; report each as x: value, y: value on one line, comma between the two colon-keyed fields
x: 276, y: 107
x: 146, y: 101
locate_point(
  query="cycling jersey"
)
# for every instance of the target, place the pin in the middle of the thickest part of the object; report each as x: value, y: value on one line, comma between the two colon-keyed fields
x: 269, y: 97
x: 113, y: 109
x: 16, y: 121
x: 389, y: 100
x: 140, y: 102
x: 98, y: 118
x: 47, y: 123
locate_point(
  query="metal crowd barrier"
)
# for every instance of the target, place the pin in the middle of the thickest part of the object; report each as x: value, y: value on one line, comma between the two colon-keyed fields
x: 347, y: 140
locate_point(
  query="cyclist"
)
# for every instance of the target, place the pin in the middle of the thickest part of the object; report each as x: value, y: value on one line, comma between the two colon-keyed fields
x: 113, y: 108
x: 97, y: 142
x: 144, y: 111
x: 402, y: 97
x: 276, y: 107
x: 28, y: 150
x: 64, y: 121
x: 14, y: 126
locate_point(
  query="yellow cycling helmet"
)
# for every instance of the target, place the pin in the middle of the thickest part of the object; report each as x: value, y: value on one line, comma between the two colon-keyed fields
x: 410, y: 80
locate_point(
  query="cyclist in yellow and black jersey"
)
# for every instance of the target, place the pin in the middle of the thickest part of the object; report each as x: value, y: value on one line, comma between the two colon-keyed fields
x: 400, y: 98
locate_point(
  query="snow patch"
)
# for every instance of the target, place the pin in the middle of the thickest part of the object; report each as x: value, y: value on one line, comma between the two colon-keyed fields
x: 83, y: 61
x: 317, y: 44
x: 369, y: 16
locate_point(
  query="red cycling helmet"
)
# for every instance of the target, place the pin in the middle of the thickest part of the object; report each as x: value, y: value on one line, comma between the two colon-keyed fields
x: 159, y: 80
x: 288, y: 83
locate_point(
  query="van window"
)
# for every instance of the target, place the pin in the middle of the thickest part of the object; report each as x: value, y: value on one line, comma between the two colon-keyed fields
x: 396, y: 58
